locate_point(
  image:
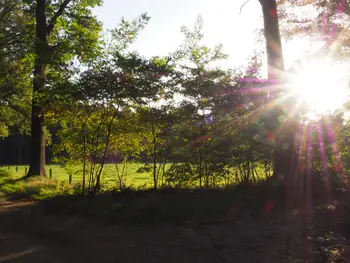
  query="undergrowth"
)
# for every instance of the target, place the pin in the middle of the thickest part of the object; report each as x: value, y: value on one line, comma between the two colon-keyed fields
x: 38, y: 188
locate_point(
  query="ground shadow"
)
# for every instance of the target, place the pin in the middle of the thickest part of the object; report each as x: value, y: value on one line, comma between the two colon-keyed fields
x: 245, y: 224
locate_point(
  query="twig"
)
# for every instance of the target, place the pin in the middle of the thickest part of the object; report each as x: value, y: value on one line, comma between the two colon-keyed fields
x: 240, y: 10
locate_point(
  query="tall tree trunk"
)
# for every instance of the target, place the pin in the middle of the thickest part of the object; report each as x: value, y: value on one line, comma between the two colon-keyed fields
x: 42, y: 52
x: 37, y: 158
x: 274, y: 52
x: 283, y: 152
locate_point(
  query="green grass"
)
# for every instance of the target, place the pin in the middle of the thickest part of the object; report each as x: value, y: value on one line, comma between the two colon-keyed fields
x: 109, y: 178
x: 13, y: 187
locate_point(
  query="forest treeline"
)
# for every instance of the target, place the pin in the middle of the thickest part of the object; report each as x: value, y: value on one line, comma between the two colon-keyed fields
x: 86, y: 99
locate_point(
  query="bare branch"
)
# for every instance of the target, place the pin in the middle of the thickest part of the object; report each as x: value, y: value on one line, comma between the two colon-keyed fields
x: 58, y: 13
x: 240, y: 10
x: 296, y: 21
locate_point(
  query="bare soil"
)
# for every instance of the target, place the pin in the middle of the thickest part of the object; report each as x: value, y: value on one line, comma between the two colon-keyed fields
x: 32, y: 232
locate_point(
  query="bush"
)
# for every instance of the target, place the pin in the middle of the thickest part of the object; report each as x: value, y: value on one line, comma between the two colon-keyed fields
x: 144, y: 169
x: 180, y: 175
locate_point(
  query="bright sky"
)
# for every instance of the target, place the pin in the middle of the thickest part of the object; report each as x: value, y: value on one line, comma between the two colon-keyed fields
x: 222, y: 24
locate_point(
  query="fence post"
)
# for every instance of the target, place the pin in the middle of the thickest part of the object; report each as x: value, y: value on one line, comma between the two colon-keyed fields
x: 50, y: 172
x: 25, y: 170
x: 70, y: 179
x: 16, y: 169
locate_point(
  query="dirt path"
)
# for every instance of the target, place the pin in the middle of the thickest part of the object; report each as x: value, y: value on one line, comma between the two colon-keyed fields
x: 29, y: 234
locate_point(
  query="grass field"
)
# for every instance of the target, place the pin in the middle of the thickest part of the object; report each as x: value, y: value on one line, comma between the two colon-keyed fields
x: 109, y: 178
x: 11, y: 185
x: 109, y: 175
x: 57, y: 181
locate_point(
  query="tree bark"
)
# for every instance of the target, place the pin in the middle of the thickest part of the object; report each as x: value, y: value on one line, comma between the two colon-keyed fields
x: 37, y: 158
x: 284, y: 132
x: 42, y: 30
x: 274, y: 52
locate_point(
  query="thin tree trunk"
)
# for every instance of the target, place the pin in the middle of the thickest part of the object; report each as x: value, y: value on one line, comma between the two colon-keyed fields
x: 98, y: 176
x: 252, y: 171
x: 206, y: 175
x: 84, y: 165
x: 200, y: 169
x: 163, y: 168
x: 155, y: 179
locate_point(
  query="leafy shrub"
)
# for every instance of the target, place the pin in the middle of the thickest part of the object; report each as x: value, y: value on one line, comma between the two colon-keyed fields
x: 144, y: 169
x: 180, y: 175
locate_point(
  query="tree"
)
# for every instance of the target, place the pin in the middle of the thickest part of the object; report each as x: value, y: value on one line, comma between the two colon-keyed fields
x: 156, y: 123
x: 64, y: 29
x: 103, y: 98
x: 15, y: 23
x: 283, y: 130
x: 200, y: 83
x: 274, y: 52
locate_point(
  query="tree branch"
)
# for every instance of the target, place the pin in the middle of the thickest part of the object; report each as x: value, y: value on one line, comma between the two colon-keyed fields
x: 59, y: 12
x: 296, y: 21
x: 240, y: 10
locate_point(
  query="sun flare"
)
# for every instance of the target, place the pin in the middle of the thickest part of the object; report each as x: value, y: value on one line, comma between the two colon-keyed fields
x: 321, y: 87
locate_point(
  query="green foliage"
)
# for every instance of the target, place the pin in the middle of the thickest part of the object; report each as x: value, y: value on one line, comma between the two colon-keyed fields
x: 110, y: 104
x: 144, y: 169
x: 126, y: 34
x: 180, y: 176
x: 15, y: 66
x: 38, y: 188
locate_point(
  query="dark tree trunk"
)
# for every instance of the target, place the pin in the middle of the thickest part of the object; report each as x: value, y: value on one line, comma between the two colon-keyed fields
x: 284, y: 132
x: 274, y: 53
x: 42, y: 30
x: 37, y: 158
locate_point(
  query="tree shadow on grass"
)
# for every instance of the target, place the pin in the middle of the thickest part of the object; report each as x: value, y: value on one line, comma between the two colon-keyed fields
x: 5, y: 178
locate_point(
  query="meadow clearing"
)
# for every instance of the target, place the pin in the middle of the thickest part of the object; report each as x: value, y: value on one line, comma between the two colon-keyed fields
x: 109, y: 174
x: 58, y: 183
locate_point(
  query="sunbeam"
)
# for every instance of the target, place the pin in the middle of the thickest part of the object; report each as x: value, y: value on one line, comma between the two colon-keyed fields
x: 320, y: 86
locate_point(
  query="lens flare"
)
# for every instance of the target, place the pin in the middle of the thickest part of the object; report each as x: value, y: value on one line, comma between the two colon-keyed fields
x: 321, y: 87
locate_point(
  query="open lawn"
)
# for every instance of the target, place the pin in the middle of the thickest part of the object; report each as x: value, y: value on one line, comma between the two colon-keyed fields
x: 43, y: 188
x: 134, y: 179
x: 109, y: 178
x: 57, y: 180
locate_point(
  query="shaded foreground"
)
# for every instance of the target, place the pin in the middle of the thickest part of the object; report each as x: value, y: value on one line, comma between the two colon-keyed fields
x: 247, y: 224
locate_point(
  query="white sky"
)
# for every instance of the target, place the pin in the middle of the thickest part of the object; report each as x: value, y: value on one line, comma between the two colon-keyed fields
x: 222, y: 24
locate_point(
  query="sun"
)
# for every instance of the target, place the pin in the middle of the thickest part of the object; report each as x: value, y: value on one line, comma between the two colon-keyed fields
x: 320, y: 86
